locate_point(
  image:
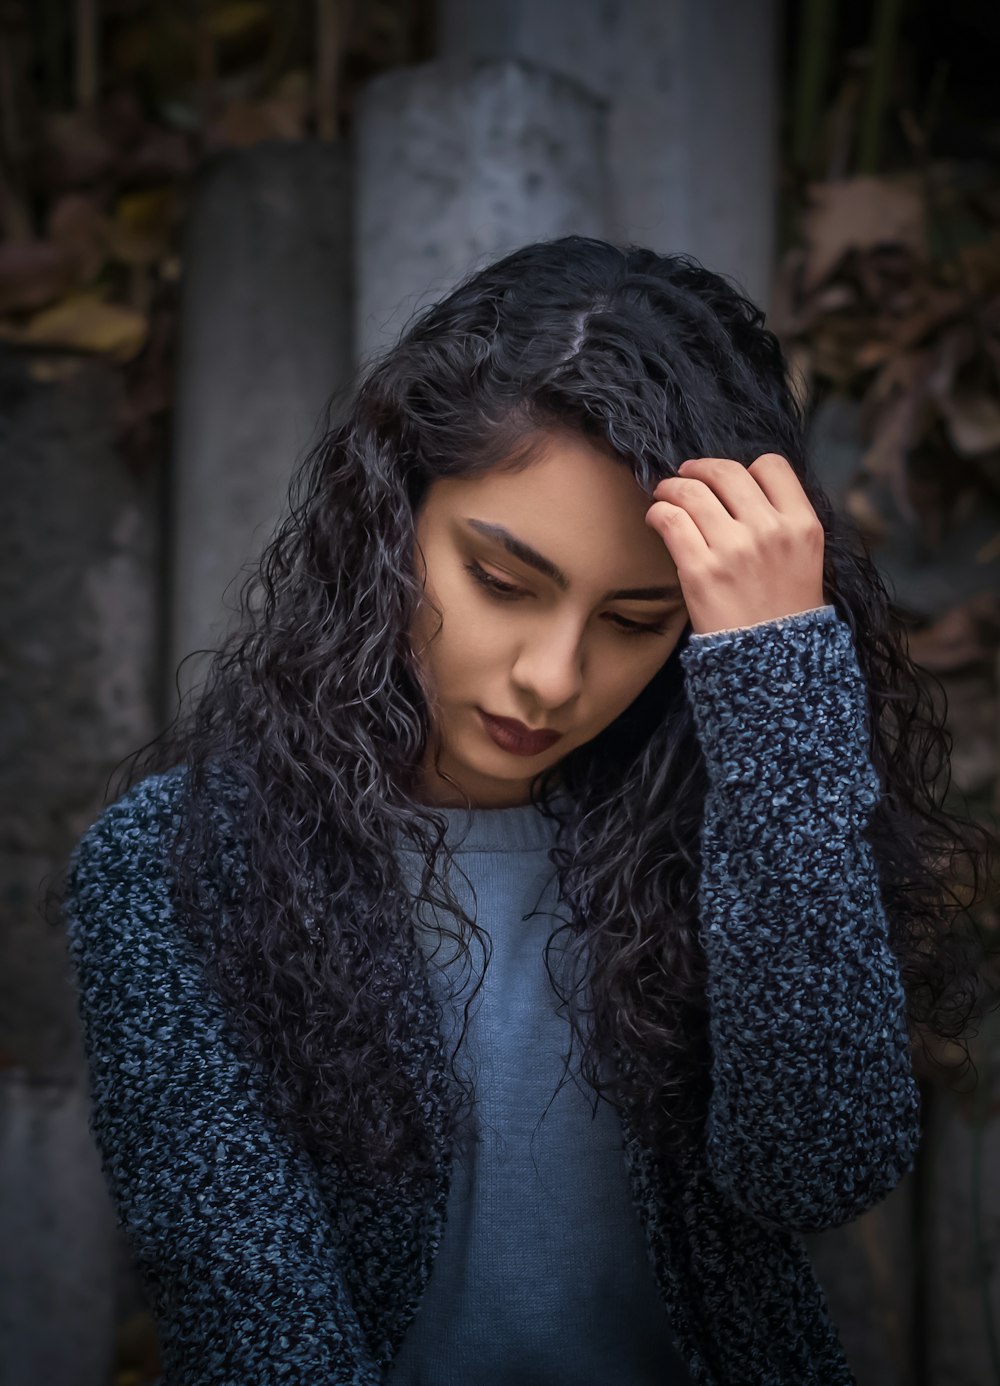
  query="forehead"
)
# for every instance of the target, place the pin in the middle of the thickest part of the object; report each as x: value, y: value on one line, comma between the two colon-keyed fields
x: 577, y: 505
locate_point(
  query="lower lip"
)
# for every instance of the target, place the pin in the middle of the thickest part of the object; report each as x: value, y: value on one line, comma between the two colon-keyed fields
x: 508, y: 740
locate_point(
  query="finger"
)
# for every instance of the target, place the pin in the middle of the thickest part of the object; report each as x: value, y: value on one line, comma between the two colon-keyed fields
x: 684, y: 540
x: 732, y: 483
x: 698, y: 499
x: 775, y: 476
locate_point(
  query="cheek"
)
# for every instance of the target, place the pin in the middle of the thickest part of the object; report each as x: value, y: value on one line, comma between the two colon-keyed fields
x: 455, y: 643
x: 627, y: 676
x: 471, y: 625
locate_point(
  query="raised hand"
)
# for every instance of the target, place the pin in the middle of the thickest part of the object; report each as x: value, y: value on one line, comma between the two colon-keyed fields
x: 747, y: 543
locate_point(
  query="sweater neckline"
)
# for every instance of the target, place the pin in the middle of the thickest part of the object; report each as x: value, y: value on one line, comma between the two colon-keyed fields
x: 520, y: 828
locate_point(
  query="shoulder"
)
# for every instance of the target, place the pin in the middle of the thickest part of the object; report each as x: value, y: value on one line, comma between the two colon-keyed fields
x: 119, y: 866
x: 119, y: 909
x: 129, y: 842
x: 138, y: 827
x: 116, y: 869
x: 129, y: 833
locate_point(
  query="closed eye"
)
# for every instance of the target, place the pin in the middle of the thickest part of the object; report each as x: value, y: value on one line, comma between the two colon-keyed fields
x: 506, y: 592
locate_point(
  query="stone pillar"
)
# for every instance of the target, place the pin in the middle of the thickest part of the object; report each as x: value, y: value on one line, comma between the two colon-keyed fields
x: 79, y: 606
x: 57, y: 1261
x: 79, y: 599
x: 691, y: 93
x: 264, y: 343
x: 578, y: 39
x: 458, y: 163
x: 693, y: 133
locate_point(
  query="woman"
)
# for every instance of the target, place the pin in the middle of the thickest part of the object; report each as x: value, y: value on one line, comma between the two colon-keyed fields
x: 573, y: 497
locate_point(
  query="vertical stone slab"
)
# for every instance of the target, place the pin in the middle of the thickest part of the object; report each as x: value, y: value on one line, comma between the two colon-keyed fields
x: 57, y: 1267
x: 693, y: 133
x: 79, y: 601
x: 264, y: 343
x: 579, y: 39
x: 79, y: 611
x: 691, y: 93
x: 460, y: 162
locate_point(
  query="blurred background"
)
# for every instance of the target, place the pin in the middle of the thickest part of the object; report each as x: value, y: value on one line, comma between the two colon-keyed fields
x: 214, y: 211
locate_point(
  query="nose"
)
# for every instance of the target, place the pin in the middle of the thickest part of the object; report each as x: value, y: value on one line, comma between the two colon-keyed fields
x: 549, y: 668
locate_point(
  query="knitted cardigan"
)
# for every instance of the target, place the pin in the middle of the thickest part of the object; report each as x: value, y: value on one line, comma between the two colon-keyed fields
x: 262, y: 1265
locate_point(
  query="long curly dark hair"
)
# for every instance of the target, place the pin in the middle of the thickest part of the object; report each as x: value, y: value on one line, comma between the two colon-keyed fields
x: 314, y: 712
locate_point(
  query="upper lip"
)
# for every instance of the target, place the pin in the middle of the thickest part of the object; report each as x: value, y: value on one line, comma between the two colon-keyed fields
x: 522, y: 730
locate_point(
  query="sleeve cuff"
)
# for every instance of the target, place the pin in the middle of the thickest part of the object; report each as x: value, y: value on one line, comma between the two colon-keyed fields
x: 778, y: 699
x: 713, y: 637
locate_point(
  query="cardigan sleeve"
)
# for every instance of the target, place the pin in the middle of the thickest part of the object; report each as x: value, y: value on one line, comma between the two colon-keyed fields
x: 230, y: 1236
x: 814, y: 1113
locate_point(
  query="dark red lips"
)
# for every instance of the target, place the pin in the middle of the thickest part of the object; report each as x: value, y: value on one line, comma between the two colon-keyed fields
x: 515, y: 737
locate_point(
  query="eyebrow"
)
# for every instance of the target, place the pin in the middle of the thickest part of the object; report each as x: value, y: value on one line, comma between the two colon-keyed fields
x: 547, y: 568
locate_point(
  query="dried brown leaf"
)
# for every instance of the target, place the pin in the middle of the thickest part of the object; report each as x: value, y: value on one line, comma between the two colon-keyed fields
x: 84, y: 322
x: 897, y: 414
x: 966, y: 636
x: 32, y: 274
x: 245, y: 123
x: 859, y: 214
x: 972, y: 421
x: 874, y: 353
x: 162, y: 156
x: 981, y: 265
x: 79, y: 227
x: 859, y: 505
x: 76, y: 152
x: 239, y: 19
x: 122, y: 120
x: 50, y: 370
x: 141, y: 230
x: 935, y: 307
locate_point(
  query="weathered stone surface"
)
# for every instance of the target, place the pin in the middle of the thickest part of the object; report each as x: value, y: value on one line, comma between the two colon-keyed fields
x: 57, y: 1238
x: 691, y: 93
x: 78, y: 610
x: 460, y: 162
x: 579, y: 39
x: 692, y: 133
x: 264, y: 344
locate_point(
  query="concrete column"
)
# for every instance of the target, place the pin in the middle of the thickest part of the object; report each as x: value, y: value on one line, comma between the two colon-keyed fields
x: 578, y: 39
x: 264, y: 342
x: 79, y: 605
x: 693, y: 133
x: 460, y: 162
x: 57, y: 1248
x: 691, y: 94
x: 79, y: 594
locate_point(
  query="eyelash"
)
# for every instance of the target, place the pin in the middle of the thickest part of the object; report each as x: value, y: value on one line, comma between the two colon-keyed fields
x: 506, y: 592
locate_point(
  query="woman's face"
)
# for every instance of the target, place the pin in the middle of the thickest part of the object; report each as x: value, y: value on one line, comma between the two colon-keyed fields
x: 558, y: 652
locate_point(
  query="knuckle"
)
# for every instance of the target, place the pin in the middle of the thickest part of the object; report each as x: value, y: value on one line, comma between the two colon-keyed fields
x: 743, y: 552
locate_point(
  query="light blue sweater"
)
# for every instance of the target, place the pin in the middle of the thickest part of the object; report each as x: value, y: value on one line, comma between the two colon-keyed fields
x: 543, y: 1276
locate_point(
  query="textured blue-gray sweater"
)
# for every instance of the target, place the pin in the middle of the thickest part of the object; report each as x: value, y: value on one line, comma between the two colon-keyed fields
x: 542, y: 1276
x: 264, y: 1267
